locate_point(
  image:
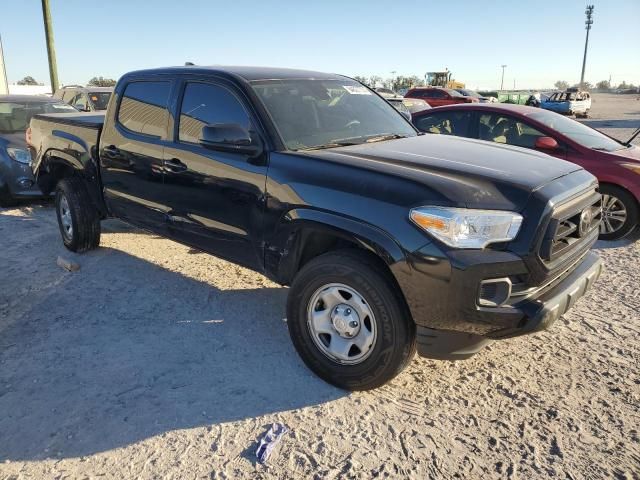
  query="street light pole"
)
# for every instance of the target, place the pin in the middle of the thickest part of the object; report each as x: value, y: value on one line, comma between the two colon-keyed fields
x: 588, y: 22
x: 51, y: 51
x: 502, y: 81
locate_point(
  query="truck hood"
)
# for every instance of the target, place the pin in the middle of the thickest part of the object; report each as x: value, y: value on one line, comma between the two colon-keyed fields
x: 458, y: 171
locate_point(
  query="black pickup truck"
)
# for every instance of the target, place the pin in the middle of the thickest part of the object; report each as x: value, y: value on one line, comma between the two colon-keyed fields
x: 390, y: 240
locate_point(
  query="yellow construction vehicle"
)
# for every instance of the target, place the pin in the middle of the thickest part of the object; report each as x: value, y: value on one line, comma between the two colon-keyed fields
x: 442, y: 79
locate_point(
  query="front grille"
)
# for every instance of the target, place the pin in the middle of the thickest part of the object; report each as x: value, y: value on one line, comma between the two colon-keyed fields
x: 572, y: 226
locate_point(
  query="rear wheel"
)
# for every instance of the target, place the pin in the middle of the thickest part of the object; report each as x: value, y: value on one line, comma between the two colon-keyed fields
x: 619, y: 213
x: 78, y: 219
x: 348, y: 323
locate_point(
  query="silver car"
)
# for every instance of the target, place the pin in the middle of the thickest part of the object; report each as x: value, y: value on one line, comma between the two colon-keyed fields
x: 16, y: 178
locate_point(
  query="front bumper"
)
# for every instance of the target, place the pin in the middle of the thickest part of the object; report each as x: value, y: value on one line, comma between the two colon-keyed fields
x: 467, y: 327
x: 17, y: 179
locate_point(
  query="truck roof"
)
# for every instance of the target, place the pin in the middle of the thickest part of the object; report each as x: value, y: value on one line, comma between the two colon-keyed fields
x: 245, y: 72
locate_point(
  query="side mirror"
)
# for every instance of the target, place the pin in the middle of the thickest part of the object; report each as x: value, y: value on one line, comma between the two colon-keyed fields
x: 229, y: 137
x: 546, y: 143
x: 80, y: 107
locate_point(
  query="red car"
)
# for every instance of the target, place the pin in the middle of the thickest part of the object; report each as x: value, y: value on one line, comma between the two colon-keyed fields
x: 437, y: 96
x: 615, y: 164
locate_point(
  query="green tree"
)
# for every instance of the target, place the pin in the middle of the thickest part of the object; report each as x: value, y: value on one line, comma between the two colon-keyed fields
x: 603, y: 85
x: 28, y: 80
x: 585, y: 86
x: 561, y: 85
x: 361, y: 79
x: 375, y: 81
x: 101, y: 82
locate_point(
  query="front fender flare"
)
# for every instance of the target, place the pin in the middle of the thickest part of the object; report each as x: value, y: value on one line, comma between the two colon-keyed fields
x: 283, y: 253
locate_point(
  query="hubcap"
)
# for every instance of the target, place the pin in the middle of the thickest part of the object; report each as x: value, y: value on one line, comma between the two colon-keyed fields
x: 65, y: 217
x: 341, y: 324
x: 614, y: 214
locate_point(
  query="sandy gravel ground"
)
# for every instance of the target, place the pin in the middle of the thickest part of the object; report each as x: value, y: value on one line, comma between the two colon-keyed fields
x: 156, y: 361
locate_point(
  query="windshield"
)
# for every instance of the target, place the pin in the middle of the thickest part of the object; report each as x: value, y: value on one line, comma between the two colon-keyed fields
x: 453, y: 93
x: 468, y: 93
x: 576, y: 131
x: 326, y: 113
x: 15, y: 116
x: 100, y: 100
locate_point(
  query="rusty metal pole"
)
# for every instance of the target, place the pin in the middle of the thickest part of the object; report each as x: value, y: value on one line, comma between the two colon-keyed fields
x: 51, y: 51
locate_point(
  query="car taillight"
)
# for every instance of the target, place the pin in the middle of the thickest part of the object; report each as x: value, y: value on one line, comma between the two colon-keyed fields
x: 27, y: 136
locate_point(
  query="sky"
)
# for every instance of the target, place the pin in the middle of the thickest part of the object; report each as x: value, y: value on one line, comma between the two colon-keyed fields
x: 539, y: 41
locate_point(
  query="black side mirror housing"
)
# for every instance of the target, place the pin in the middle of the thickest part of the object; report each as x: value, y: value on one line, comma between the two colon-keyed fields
x: 229, y: 137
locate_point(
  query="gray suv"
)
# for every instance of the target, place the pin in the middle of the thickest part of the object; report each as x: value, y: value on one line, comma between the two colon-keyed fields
x: 85, y: 99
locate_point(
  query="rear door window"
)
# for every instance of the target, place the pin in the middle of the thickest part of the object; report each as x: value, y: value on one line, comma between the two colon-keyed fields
x: 208, y: 104
x: 445, y: 123
x: 143, y: 108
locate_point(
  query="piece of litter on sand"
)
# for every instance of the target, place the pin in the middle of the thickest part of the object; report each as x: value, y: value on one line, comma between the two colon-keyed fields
x: 269, y: 441
x: 68, y: 264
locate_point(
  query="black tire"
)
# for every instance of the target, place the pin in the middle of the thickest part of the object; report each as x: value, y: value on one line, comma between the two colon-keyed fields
x: 84, y: 219
x: 631, y: 207
x: 395, y: 342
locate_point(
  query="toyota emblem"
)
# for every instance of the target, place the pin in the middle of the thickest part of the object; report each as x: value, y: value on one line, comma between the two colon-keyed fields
x: 586, y: 219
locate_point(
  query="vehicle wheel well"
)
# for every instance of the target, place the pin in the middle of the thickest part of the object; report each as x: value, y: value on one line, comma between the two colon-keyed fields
x: 615, y: 185
x: 316, y: 243
x: 56, y: 170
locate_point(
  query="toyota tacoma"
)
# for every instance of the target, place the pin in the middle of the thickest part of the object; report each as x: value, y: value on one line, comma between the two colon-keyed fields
x: 391, y: 241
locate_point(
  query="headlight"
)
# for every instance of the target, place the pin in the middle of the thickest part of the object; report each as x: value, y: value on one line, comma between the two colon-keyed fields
x: 634, y: 167
x: 19, y: 155
x: 467, y: 228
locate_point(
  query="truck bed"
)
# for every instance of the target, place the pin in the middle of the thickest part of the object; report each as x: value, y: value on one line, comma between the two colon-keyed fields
x: 71, y: 138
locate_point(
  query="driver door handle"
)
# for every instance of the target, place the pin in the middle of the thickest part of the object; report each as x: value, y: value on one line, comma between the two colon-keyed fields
x: 175, y: 165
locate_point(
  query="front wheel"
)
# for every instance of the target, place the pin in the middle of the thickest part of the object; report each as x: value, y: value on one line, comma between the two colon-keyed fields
x: 347, y: 321
x: 78, y: 219
x: 619, y: 213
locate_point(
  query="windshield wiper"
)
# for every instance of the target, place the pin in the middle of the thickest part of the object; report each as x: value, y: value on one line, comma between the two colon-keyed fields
x: 329, y: 145
x: 382, y: 138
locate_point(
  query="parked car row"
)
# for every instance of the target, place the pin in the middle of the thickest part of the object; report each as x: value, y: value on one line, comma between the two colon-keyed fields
x: 16, y: 178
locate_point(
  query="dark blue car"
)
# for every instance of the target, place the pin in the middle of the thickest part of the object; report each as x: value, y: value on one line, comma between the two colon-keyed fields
x: 16, y: 178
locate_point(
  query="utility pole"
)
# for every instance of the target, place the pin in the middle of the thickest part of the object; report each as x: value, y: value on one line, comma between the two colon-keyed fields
x: 51, y: 51
x: 502, y: 81
x: 588, y: 22
x: 4, y: 85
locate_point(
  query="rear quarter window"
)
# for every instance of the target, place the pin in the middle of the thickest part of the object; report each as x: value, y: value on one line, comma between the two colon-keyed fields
x: 143, y: 108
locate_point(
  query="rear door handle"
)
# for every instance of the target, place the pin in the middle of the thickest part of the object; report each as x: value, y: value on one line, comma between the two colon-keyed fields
x: 111, y: 150
x: 174, y: 165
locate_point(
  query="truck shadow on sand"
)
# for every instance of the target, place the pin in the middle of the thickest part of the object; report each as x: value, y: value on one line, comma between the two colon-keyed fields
x: 124, y: 350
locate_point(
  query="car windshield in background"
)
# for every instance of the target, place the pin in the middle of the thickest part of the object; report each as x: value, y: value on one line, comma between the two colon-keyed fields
x: 329, y: 113
x: 468, y: 93
x: 579, y: 133
x: 15, y: 117
x: 100, y: 100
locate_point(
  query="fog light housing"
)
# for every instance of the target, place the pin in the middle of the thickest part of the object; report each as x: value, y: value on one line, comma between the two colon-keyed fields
x: 25, y: 183
x: 494, y: 292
